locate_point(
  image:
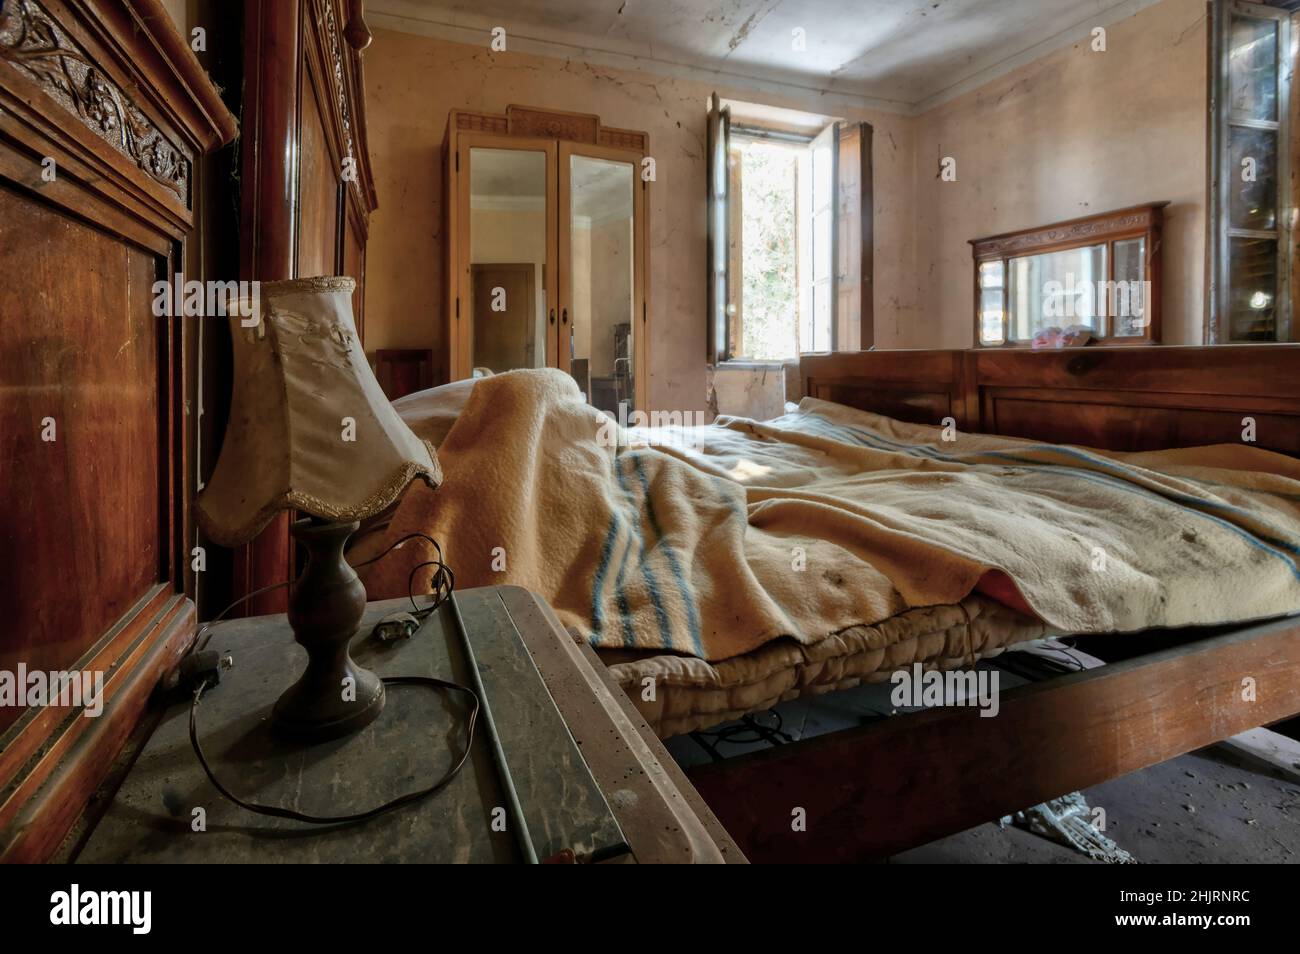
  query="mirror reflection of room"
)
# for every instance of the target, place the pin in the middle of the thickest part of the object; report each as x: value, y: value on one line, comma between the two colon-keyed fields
x: 603, y: 275
x: 1068, y: 277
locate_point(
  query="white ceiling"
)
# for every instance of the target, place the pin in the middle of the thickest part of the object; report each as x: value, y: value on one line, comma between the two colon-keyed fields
x: 896, y: 54
x: 508, y: 172
x: 515, y: 180
x: 601, y: 189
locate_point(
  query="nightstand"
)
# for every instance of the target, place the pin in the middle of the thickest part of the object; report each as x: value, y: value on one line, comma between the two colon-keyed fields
x: 590, y: 775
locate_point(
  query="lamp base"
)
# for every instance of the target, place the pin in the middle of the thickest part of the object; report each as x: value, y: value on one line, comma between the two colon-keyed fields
x: 334, y: 697
x: 313, y: 717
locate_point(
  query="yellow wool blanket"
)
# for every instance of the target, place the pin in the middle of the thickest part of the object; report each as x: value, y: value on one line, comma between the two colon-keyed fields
x: 712, y: 541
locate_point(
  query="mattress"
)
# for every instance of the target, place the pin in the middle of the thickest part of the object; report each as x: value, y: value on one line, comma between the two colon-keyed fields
x: 678, y: 694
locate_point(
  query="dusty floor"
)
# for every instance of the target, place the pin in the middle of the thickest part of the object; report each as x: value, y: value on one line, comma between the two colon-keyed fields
x: 1210, y: 806
x: 1200, y: 808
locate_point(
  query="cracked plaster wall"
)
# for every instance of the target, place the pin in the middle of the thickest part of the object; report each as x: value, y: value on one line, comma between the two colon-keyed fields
x: 1073, y: 133
x: 412, y: 82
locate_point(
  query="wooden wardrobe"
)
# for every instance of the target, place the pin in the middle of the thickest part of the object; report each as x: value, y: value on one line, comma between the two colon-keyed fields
x: 547, y: 250
x: 304, y: 209
x: 105, y: 114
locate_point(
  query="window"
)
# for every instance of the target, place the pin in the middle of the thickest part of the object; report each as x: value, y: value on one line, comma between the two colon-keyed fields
x: 763, y: 252
x: 818, y: 197
x: 789, y: 245
x: 1250, y: 234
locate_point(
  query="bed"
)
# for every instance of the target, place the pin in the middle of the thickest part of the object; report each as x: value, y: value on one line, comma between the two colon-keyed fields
x: 741, y: 671
x: 1128, y: 400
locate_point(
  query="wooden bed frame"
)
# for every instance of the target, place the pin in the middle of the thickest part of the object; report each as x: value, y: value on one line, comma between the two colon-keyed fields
x: 877, y: 789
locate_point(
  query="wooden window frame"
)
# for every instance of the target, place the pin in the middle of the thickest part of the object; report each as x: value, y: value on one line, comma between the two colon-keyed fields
x: 1220, y: 230
x: 850, y: 281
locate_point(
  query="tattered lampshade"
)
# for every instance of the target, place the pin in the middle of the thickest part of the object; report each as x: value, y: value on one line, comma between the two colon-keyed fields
x: 311, y: 430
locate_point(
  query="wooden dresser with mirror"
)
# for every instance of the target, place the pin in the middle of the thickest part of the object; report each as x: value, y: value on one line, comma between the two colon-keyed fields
x: 1100, y: 273
x: 547, y: 250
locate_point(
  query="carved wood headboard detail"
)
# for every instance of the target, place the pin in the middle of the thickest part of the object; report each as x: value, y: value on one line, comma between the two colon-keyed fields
x: 1125, y: 399
x: 104, y: 111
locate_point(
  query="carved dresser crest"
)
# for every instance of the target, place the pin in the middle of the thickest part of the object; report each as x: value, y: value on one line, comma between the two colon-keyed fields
x: 32, y: 41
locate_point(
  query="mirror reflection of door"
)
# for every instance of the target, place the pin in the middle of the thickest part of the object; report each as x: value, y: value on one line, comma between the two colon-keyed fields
x: 602, y: 247
x: 508, y: 249
x: 506, y: 334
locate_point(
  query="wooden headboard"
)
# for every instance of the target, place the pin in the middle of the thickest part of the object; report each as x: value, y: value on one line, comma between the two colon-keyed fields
x: 1125, y: 399
x: 104, y: 115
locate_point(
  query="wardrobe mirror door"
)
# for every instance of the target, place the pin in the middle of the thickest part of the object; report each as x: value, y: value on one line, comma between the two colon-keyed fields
x: 508, y: 257
x: 603, y: 281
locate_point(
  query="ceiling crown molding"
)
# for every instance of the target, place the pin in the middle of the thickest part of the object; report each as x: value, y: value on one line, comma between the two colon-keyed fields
x: 821, y: 94
x: 803, y: 91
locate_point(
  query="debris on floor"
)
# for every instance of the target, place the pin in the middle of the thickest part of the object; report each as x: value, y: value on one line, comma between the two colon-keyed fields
x: 1068, y: 820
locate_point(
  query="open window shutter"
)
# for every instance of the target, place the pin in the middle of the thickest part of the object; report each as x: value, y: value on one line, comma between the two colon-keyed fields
x: 719, y: 145
x: 818, y: 329
x: 854, y: 314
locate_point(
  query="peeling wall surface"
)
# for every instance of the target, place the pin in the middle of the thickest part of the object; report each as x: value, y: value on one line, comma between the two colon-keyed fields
x: 414, y: 81
x: 1070, y: 134
x: 759, y: 393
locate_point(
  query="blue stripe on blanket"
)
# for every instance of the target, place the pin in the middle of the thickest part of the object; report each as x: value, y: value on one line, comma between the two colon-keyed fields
x: 612, y: 536
x: 620, y: 593
x: 652, y: 585
x: 683, y: 588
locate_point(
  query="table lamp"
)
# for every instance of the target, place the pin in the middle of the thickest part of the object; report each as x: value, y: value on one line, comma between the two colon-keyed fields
x: 311, y: 430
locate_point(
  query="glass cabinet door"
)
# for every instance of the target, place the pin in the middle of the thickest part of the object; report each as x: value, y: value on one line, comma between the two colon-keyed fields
x: 507, y: 217
x: 601, y: 279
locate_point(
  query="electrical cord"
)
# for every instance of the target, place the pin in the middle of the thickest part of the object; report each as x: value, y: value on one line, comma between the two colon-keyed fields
x: 396, y: 803
x: 444, y: 580
x: 443, y: 583
x: 747, y: 731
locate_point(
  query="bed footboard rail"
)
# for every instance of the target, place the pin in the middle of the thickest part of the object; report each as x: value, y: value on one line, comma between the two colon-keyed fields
x: 874, y: 790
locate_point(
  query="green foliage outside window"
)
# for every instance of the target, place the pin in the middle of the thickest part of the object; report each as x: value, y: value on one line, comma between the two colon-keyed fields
x: 770, y: 302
